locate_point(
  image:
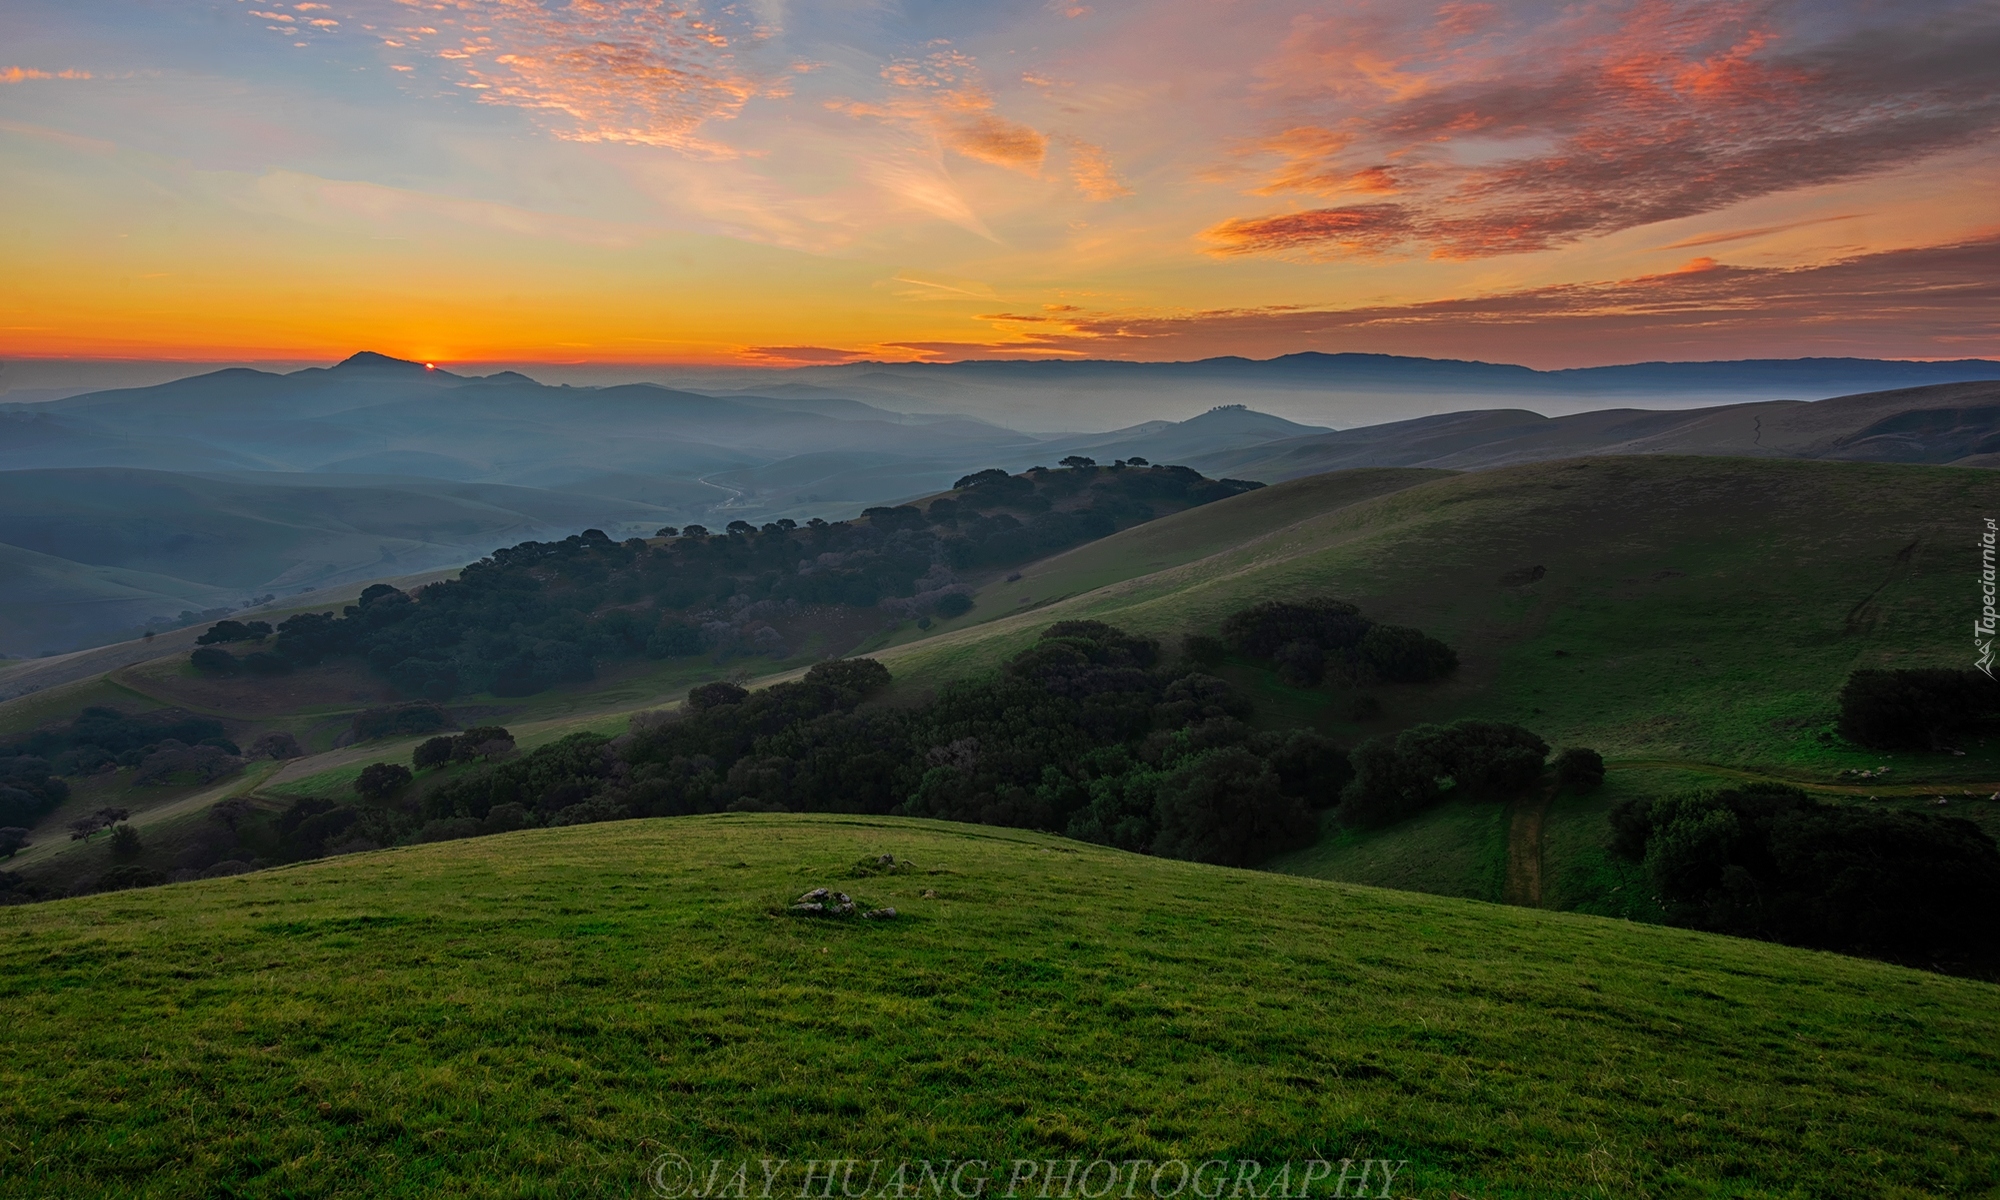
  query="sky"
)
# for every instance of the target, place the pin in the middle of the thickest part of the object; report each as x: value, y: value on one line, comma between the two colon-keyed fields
x: 781, y: 183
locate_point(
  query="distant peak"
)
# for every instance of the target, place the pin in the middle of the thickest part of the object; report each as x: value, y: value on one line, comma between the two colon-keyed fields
x: 370, y: 360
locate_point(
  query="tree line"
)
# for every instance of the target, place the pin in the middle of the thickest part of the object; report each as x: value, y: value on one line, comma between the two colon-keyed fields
x: 542, y: 613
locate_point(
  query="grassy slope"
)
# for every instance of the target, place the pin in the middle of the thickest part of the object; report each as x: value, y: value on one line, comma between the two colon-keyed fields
x: 1693, y: 609
x: 543, y: 1013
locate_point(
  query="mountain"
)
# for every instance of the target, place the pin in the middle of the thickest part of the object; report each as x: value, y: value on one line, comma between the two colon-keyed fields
x: 96, y: 553
x: 1341, y: 390
x: 1940, y: 423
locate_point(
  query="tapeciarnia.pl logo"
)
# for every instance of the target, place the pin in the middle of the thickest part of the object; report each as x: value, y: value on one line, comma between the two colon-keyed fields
x: 1983, y: 625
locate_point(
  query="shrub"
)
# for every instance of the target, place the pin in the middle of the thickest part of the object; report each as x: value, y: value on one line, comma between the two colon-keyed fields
x: 125, y: 844
x: 12, y: 839
x: 379, y: 781
x: 1768, y: 861
x: 234, y: 631
x: 953, y: 604
x: 1260, y: 630
x: 715, y: 695
x: 1203, y: 651
x: 1399, y: 654
x: 1579, y: 770
x: 175, y: 765
x: 210, y: 660
x: 1399, y: 777
x: 277, y: 745
x: 1228, y: 807
x: 434, y: 752
x: 1301, y: 664
x: 1916, y: 709
x: 674, y: 639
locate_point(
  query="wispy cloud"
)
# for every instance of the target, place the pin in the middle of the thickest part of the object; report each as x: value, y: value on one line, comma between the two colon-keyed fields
x: 24, y: 74
x: 941, y: 94
x: 1939, y: 301
x: 1495, y: 139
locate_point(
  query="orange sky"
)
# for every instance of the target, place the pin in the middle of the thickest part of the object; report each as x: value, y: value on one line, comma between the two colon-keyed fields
x: 633, y: 181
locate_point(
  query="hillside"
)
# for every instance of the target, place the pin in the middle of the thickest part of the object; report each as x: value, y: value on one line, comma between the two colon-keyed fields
x: 1940, y: 423
x: 105, y: 551
x: 1685, y: 606
x: 549, y: 1012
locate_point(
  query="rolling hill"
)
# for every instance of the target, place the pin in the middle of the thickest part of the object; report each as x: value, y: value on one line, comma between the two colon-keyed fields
x: 1942, y: 423
x: 552, y: 1012
x: 102, y: 552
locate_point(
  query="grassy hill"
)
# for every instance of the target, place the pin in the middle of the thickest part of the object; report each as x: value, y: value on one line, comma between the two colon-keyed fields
x: 1702, y: 609
x: 544, y: 1013
x: 1693, y: 620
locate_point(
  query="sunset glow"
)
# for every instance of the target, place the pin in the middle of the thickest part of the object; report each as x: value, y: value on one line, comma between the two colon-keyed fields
x: 787, y: 184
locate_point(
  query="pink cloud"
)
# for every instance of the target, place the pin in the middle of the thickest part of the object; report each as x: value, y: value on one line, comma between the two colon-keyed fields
x: 24, y: 74
x: 1501, y: 139
x: 1932, y: 302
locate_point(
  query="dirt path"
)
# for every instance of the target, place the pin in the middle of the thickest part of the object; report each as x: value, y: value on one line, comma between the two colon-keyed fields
x: 1524, y: 850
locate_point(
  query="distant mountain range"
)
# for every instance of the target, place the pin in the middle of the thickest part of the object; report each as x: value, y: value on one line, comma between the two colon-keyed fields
x: 127, y: 507
x: 1953, y: 423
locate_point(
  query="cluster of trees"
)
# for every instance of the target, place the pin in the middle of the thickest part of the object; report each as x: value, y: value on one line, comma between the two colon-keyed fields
x: 1086, y: 733
x: 1306, y: 639
x: 1402, y: 775
x: 1767, y: 861
x: 543, y: 613
x: 1924, y: 709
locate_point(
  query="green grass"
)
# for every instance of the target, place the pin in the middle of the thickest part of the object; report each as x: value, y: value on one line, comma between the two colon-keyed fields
x: 1697, y: 610
x: 543, y: 1013
x: 1456, y: 849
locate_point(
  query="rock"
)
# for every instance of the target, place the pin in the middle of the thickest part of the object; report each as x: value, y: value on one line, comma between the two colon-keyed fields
x: 808, y: 907
x: 815, y: 894
x: 878, y: 914
x: 931, y: 893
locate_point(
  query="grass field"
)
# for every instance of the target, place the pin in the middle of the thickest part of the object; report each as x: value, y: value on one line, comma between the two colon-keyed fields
x: 544, y: 1013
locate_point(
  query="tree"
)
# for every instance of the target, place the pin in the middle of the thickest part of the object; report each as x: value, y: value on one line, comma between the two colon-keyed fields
x: 1579, y: 769
x: 667, y: 531
x: 1077, y: 462
x: 953, y: 604
x: 12, y: 839
x: 125, y: 844
x: 210, y: 660
x: 714, y: 695
x: 433, y: 752
x: 1916, y: 709
x: 379, y: 781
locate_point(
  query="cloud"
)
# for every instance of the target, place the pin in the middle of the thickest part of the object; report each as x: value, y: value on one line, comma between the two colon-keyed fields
x: 1607, y: 117
x: 1931, y: 302
x: 1090, y: 169
x: 800, y: 354
x: 941, y: 94
x: 645, y: 72
x: 24, y: 74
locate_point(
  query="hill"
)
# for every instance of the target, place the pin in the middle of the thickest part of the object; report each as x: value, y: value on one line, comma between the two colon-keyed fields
x: 1941, y: 423
x: 552, y: 1012
x: 111, y: 550
x: 1337, y: 389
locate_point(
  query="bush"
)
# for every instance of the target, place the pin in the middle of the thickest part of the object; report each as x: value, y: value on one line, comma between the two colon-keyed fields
x: 12, y: 839
x: 277, y: 745
x: 1259, y: 631
x: 1203, y: 651
x: 215, y: 662
x: 1399, y: 777
x: 125, y: 844
x: 1916, y: 709
x: 715, y: 695
x: 175, y: 765
x: 1301, y: 664
x: 435, y: 752
x: 379, y: 781
x: 1399, y: 654
x: 1228, y: 807
x: 234, y: 631
x: 1579, y: 770
x: 1767, y: 861
x: 954, y: 604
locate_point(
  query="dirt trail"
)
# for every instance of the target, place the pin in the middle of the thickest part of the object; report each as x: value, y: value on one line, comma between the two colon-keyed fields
x: 1524, y: 850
